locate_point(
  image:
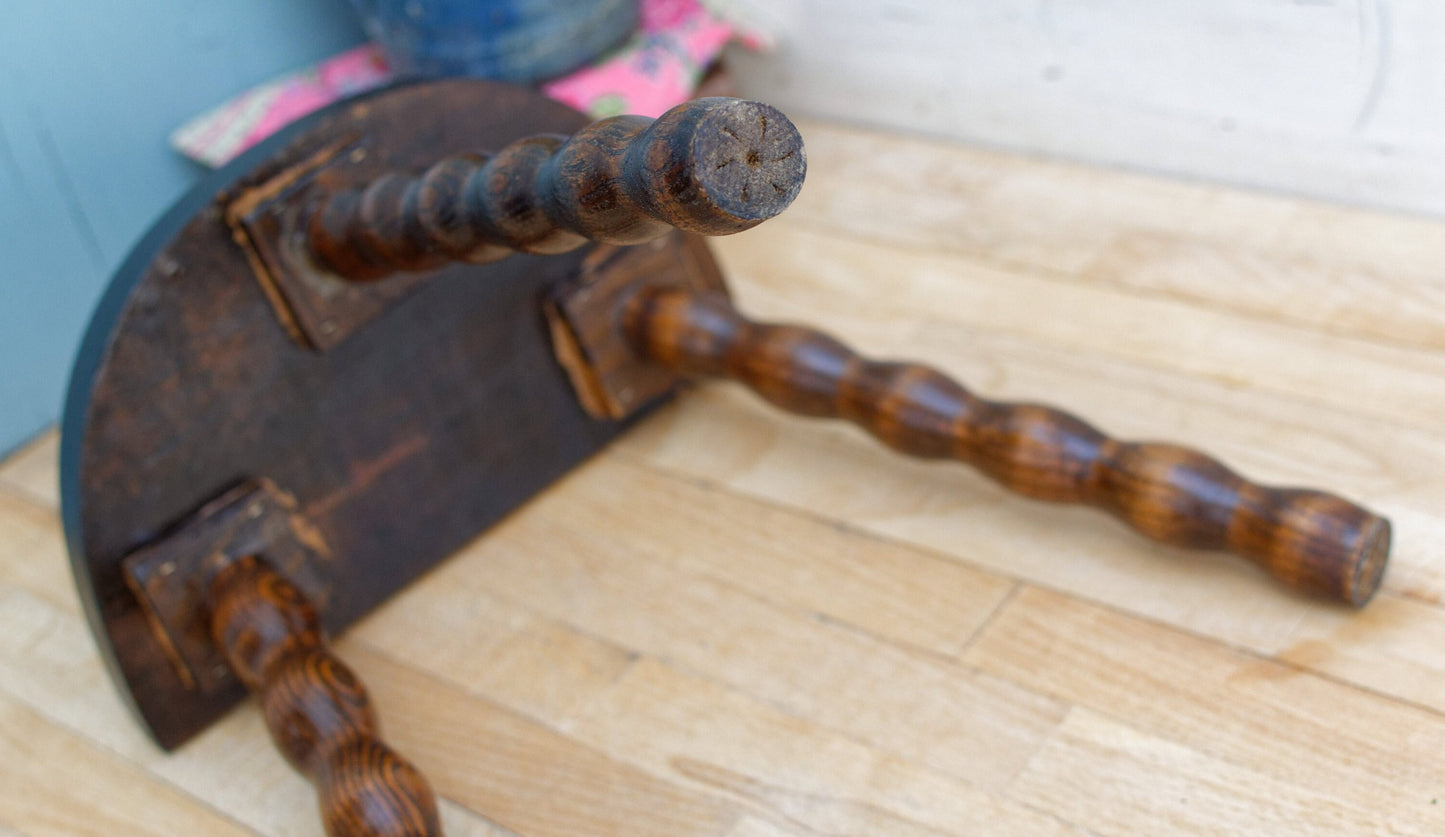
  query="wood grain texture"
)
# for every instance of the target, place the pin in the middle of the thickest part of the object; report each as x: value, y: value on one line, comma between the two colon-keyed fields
x: 812, y: 267
x: 713, y: 166
x: 741, y: 622
x: 605, y: 584
x: 1206, y: 711
x: 31, y: 470
x: 315, y: 706
x: 1311, y: 541
x: 58, y: 782
x: 1330, y: 268
x: 169, y: 410
x: 535, y: 780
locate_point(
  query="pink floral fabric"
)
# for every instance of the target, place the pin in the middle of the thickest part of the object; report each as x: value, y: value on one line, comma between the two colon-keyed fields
x: 659, y: 67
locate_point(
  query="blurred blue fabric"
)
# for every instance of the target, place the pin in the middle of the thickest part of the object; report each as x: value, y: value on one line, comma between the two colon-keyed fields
x: 511, y: 40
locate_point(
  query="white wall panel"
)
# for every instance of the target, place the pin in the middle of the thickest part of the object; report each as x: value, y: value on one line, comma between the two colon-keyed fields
x: 1341, y: 99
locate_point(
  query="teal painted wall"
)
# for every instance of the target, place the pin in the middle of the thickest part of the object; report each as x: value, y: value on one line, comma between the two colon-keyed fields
x: 89, y: 90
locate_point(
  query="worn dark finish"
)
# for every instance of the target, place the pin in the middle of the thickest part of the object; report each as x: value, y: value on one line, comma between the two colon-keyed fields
x: 1311, y: 541
x: 611, y: 380
x: 229, y: 618
x: 316, y: 708
x: 444, y: 412
x: 170, y: 577
x: 318, y: 309
x: 436, y: 407
x: 711, y: 166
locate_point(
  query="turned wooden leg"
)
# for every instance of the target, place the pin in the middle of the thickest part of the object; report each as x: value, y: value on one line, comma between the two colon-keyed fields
x: 712, y: 166
x: 1311, y: 541
x: 317, y: 710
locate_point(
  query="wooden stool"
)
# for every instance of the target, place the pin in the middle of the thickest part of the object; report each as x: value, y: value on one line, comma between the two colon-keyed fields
x: 367, y: 340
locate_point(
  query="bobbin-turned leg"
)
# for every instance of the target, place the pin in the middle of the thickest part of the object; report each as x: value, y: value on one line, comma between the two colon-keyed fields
x: 234, y: 593
x: 1311, y: 541
x: 712, y: 166
x: 336, y: 237
x: 316, y: 708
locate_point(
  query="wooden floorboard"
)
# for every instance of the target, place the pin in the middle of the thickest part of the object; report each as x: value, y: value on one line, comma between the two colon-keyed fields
x: 736, y: 623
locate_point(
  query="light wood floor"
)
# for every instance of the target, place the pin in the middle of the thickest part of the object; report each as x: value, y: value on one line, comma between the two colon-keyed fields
x: 739, y: 623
